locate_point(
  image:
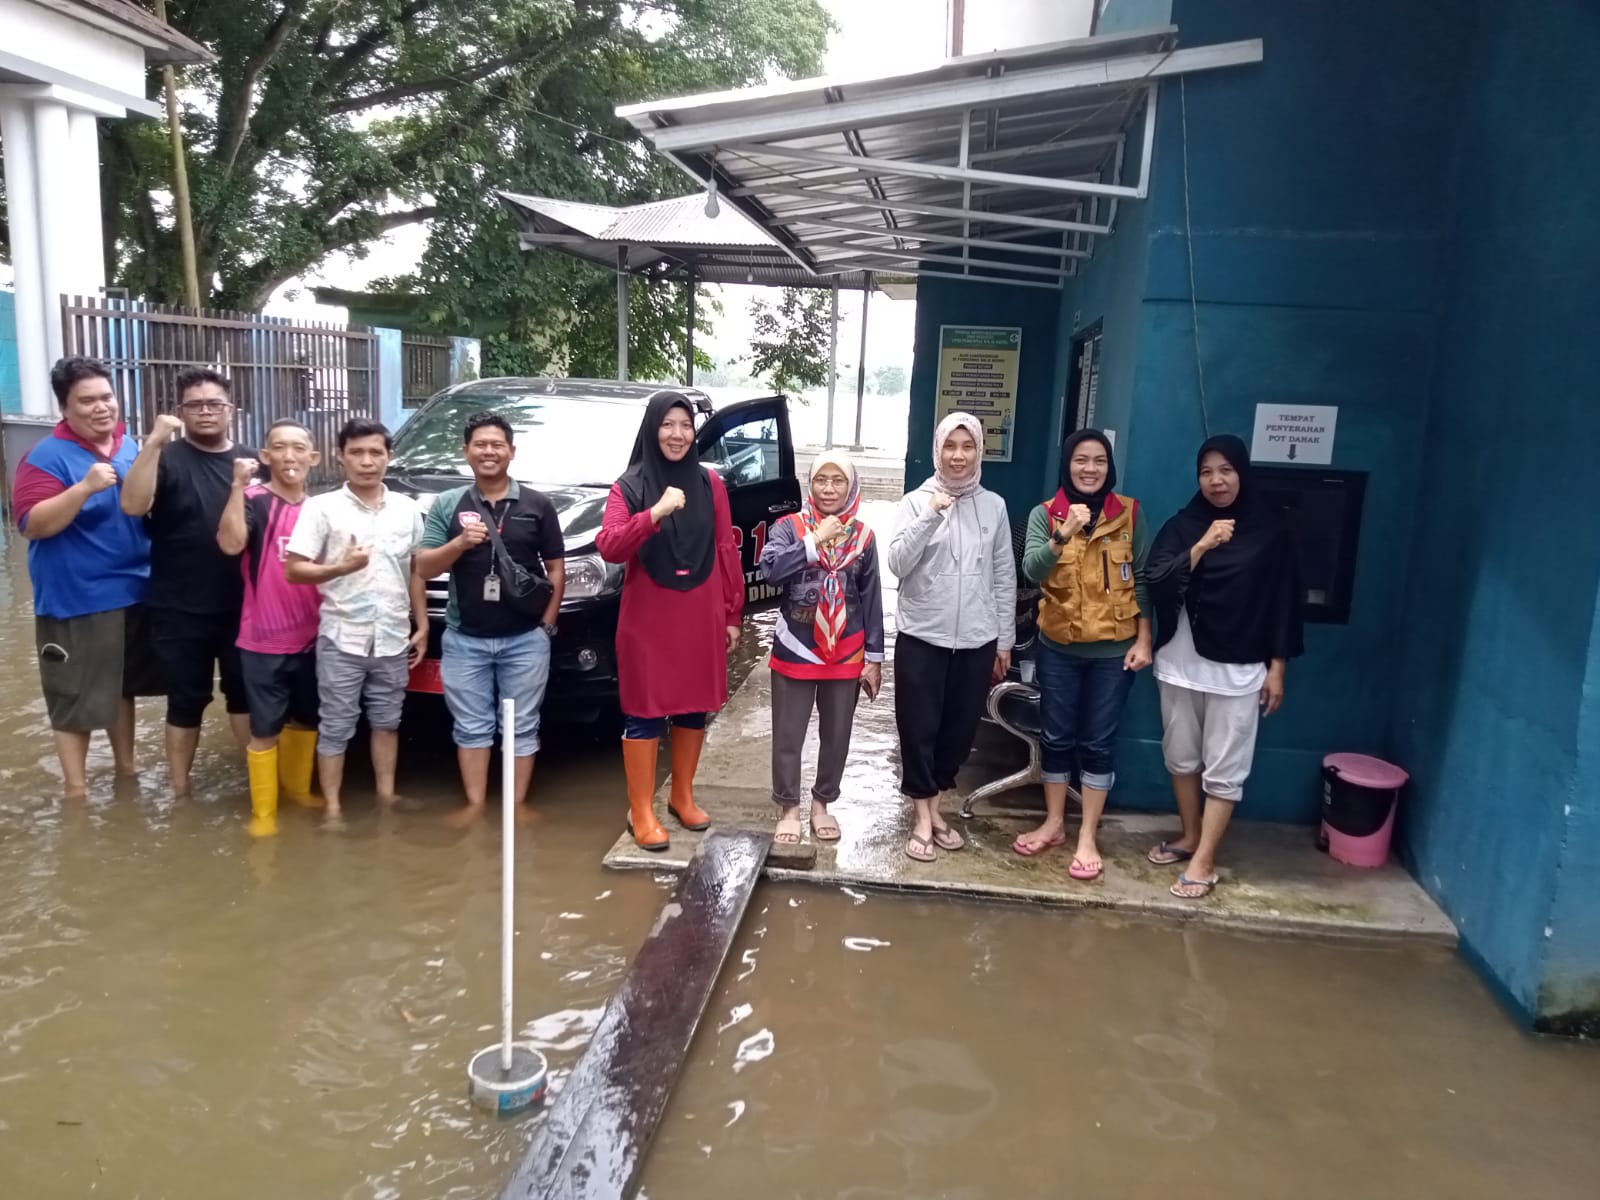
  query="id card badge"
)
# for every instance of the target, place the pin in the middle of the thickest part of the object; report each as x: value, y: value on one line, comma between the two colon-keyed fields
x: 491, y: 588
x: 1127, y: 572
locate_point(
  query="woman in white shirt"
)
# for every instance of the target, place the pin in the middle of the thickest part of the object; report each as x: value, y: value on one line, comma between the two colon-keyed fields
x: 1223, y: 578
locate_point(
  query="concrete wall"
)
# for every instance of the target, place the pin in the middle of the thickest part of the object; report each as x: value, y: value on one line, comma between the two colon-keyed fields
x: 1496, y: 712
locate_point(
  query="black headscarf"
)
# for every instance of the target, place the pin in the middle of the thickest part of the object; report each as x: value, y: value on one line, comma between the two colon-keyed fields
x: 1243, y: 598
x: 1070, y: 493
x: 682, y: 552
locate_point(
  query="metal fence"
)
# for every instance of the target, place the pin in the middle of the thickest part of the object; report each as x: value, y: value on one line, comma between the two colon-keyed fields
x: 425, y: 367
x: 317, y: 373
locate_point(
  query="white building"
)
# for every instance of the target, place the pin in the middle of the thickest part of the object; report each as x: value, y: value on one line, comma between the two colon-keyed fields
x: 64, y: 65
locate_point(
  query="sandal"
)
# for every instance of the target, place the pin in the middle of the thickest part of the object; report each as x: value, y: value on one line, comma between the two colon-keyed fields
x: 787, y: 837
x: 947, y: 839
x: 1209, y: 886
x: 824, y: 828
x: 925, y: 854
x: 1028, y: 849
x: 1168, y: 855
x: 1087, y: 874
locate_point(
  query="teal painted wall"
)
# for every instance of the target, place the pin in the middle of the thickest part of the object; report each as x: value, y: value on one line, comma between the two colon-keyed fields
x: 1035, y: 311
x: 1496, y: 712
x: 10, y: 383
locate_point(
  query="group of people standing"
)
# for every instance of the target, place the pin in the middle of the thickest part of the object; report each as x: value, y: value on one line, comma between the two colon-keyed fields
x: 158, y: 570
x: 1211, y: 600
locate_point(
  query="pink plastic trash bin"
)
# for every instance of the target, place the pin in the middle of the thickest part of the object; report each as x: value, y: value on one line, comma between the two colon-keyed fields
x: 1359, y: 797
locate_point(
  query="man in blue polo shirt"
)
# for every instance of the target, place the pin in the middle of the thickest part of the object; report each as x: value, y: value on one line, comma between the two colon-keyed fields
x: 90, y: 564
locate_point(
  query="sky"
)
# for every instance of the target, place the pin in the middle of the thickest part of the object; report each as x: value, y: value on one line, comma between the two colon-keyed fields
x: 874, y: 37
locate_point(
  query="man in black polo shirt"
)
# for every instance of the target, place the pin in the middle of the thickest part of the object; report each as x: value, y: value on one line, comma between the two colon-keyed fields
x: 501, y: 615
x: 180, y: 487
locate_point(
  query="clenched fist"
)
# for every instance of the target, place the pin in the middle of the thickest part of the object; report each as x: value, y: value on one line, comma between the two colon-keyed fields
x: 941, y: 501
x: 829, y: 530
x: 671, y: 501
x: 1219, y: 533
x: 474, y: 534
x: 100, y: 477
x: 355, y: 559
x: 166, y: 426
x: 244, y: 470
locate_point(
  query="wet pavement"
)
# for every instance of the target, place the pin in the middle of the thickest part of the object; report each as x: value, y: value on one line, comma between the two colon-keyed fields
x: 185, y: 1013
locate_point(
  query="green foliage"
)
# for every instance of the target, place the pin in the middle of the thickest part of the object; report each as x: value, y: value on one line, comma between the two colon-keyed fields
x: 889, y: 381
x: 790, y: 342
x: 327, y: 123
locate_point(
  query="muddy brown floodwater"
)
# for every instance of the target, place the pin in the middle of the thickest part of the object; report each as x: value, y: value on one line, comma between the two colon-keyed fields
x: 186, y: 1013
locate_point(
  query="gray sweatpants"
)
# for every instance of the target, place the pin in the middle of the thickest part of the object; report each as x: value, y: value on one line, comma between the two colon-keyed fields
x: 1210, y: 736
x: 792, y: 701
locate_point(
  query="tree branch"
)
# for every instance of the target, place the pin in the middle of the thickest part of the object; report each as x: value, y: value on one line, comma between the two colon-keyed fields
x: 266, y: 277
x: 234, y: 118
x: 367, y: 43
x: 442, y: 83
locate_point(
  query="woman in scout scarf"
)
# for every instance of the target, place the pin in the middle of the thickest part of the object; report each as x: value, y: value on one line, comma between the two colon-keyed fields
x: 1086, y: 549
x: 829, y: 640
x: 667, y: 521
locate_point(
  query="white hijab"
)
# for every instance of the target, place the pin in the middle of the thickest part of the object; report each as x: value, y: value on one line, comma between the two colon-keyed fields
x: 956, y: 487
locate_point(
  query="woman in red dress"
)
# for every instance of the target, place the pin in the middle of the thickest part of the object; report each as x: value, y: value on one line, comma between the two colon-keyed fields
x: 667, y: 519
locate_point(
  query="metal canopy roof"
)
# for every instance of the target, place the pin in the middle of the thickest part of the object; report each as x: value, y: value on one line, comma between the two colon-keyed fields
x: 1003, y: 166
x: 667, y: 239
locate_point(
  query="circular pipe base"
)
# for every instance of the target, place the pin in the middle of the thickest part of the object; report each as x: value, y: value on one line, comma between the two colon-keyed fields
x: 507, y: 1092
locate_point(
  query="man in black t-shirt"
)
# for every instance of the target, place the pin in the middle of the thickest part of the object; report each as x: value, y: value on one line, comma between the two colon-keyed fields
x: 496, y: 643
x: 180, y: 488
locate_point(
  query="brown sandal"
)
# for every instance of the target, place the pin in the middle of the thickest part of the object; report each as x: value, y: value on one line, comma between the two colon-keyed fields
x: 926, y: 854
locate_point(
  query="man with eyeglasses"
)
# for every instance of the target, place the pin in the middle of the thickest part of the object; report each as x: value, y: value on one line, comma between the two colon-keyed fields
x: 180, y: 487
x: 89, y: 565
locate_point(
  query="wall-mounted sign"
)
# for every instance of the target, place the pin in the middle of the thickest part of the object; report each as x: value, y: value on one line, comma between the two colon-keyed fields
x: 978, y: 370
x: 1294, y: 433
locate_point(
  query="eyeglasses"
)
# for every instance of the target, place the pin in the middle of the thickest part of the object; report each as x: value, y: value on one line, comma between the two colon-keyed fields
x: 214, y: 406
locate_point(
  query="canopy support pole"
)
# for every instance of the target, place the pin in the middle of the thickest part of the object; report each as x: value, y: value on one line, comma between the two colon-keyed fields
x: 688, y: 368
x: 833, y: 361
x: 622, y: 313
x: 861, y: 367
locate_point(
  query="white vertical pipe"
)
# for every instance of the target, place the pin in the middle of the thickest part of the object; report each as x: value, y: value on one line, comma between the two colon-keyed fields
x: 508, y: 835
x: 622, y: 313
x: 833, y: 361
x: 52, y: 141
x: 33, y: 363
x: 861, y: 367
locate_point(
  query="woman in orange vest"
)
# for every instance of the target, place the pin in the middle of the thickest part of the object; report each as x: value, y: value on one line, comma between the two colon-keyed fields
x: 1086, y: 549
x: 829, y: 640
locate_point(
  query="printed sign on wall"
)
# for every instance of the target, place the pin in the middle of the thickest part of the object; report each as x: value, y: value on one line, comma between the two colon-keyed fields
x: 978, y: 370
x: 1294, y: 433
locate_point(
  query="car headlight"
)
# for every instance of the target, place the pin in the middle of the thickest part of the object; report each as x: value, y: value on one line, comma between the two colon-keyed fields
x: 589, y: 575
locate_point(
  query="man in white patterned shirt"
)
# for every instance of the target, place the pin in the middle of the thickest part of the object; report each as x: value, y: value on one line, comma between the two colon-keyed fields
x: 356, y: 544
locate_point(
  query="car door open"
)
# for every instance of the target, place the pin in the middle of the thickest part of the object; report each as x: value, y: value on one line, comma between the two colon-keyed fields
x: 750, y: 446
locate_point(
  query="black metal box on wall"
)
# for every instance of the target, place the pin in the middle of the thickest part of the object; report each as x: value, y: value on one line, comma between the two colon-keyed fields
x: 1323, y: 508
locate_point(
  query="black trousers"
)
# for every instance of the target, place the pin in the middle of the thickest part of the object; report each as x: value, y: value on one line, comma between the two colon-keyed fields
x: 939, y: 696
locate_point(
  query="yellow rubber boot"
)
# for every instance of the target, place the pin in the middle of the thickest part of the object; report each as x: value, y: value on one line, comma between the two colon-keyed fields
x: 263, y: 792
x: 297, y: 753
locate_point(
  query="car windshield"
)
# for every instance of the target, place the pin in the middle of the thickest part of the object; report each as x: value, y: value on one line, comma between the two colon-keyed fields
x: 559, y: 439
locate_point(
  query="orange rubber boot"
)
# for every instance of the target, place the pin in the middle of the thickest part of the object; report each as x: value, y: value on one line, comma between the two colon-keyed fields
x: 639, y: 762
x: 686, y: 744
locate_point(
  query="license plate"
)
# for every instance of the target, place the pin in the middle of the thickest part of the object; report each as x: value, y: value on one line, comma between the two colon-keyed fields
x: 425, y: 677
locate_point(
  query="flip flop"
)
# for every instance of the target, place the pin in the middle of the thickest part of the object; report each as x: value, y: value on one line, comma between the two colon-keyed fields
x: 948, y: 839
x: 925, y: 855
x: 1023, y: 848
x: 1078, y: 871
x: 828, y: 832
x: 1168, y: 855
x: 1210, y: 886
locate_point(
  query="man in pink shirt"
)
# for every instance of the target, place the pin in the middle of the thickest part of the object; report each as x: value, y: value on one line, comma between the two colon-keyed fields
x: 278, y: 624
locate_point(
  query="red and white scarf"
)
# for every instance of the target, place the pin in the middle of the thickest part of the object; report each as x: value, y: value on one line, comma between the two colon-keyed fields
x: 831, y: 616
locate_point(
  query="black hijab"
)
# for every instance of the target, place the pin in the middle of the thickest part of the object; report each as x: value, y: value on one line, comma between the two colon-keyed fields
x: 682, y: 552
x: 1243, y: 598
x: 1070, y: 493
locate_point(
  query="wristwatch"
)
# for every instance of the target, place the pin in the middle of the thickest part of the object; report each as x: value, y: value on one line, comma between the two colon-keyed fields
x: 549, y: 628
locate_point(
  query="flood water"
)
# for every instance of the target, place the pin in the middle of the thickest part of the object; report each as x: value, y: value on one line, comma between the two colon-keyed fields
x: 187, y: 1013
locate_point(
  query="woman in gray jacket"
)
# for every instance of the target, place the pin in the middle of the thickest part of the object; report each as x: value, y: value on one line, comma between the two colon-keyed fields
x: 955, y: 622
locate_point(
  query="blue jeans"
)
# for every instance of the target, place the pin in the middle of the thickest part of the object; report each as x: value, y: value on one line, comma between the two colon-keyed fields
x: 480, y: 672
x: 1080, y: 706
x: 644, y: 729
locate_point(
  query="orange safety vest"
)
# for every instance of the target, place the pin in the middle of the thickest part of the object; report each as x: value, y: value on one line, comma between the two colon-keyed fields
x: 1089, y: 597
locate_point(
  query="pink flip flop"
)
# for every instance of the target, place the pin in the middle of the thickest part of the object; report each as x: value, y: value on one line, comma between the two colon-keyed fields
x: 1022, y: 847
x: 1078, y: 871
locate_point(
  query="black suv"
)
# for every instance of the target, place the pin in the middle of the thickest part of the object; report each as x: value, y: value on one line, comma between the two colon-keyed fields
x: 573, y: 438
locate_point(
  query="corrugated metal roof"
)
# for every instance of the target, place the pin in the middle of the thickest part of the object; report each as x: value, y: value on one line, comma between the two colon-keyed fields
x: 1001, y: 166
x: 666, y: 239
